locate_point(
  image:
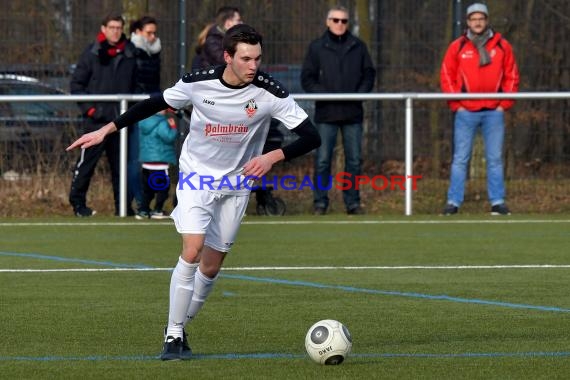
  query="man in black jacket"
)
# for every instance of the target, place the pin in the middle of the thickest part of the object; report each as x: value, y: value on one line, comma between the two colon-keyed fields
x: 338, y: 62
x: 107, y: 66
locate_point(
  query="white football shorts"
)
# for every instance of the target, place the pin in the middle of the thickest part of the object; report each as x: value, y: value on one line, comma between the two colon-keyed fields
x: 216, y: 215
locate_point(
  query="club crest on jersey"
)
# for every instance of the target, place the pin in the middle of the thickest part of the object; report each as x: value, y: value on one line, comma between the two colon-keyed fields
x: 250, y: 108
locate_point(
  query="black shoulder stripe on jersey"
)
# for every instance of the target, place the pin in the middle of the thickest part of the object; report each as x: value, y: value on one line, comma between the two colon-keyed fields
x: 270, y: 84
x: 209, y: 73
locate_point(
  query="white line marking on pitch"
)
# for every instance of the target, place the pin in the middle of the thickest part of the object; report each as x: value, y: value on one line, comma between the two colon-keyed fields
x: 236, y: 269
x: 295, y: 222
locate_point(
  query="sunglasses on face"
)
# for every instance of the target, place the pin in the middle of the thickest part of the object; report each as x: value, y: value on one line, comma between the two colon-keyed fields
x: 337, y: 20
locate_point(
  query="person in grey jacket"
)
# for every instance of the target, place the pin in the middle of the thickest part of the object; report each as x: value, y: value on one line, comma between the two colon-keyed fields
x: 338, y: 62
x: 106, y: 66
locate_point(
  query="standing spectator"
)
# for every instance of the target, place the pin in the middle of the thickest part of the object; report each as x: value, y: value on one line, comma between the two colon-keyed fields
x: 147, y: 53
x: 106, y: 66
x: 148, y: 48
x: 209, y: 51
x: 224, y: 146
x: 338, y: 62
x: 157, y: 152
x: 481, y: 60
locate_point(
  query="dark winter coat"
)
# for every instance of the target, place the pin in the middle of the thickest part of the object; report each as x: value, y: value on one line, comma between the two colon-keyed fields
x: 212, y: 52
x: 98, y: 73
x: 148, y: 72
x: 338, y: 64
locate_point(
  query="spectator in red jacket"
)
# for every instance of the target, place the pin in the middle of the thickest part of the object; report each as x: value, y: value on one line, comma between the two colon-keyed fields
x: 481, y: 60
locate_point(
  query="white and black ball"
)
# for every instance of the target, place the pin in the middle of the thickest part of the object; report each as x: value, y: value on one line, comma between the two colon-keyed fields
x: 328, y: 342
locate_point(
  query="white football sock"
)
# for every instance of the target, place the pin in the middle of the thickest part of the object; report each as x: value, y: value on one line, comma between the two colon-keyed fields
x: 181, y: 289
x: 203, y: 285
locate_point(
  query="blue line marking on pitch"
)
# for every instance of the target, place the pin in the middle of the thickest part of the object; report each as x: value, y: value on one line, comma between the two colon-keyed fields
x: 235, y: 356
x: 71, y: 260
x: 441, y: 297
x: 468, y: 355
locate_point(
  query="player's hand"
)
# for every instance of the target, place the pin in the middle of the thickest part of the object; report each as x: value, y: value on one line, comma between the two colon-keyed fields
x: 93, y: 138
x: 257, y: 167
x: 260, y: 165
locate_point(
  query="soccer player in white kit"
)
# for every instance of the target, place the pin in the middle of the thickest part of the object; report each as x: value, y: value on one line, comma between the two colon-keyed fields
x: 232, y: 108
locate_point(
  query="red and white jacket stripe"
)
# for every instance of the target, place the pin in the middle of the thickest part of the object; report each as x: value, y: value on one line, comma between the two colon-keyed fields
x: 460, y: 72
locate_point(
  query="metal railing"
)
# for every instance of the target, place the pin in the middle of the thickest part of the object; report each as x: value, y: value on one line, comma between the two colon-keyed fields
x: 407, y: 98
x: 122, y: 99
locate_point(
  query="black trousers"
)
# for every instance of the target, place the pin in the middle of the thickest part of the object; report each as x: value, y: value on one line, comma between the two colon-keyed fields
x: 154, y: 182
x: 85, y: 167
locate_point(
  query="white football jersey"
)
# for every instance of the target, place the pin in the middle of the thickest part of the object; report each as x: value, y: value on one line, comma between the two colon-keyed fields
x: 228, y: 126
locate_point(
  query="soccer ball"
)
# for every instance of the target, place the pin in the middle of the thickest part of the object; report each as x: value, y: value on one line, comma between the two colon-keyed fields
x: 328, y: 342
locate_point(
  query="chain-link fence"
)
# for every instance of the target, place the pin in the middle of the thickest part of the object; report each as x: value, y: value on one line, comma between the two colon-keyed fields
x: 406, y: 38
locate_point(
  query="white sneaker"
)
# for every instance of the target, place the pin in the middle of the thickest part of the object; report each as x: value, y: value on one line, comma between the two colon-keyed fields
x: 158, y: 215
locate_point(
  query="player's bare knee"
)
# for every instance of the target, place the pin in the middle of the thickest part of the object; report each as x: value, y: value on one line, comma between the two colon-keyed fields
x: 192, y: 245
x: 209, y: 271
x: 190, y: 254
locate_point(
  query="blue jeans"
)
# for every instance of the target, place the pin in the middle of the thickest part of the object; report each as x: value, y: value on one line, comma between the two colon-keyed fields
x: 352, y: 142
x: 492, y: 125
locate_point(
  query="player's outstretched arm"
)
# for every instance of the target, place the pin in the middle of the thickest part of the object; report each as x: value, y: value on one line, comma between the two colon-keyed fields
x: 93, y: 138
x: 136, y: 113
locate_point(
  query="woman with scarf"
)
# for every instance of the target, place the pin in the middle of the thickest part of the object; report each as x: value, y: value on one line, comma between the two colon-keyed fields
x: 147, y: 53
x: 148, y: 47
x: 481, y: 60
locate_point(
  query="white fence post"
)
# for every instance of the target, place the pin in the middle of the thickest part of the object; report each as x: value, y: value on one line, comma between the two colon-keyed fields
x: 124, y: 98
x: 123, y: 164
x: 409, y: 153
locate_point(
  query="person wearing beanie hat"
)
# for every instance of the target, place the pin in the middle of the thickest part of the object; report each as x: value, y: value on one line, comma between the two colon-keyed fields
x: 477, y: 8
x: 481, y: 60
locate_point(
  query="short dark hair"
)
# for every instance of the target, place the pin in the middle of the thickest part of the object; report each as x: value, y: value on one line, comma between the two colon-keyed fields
x: 140, y: 23
x: 113, y: 17
x: 240, y: 33
x: 225, y: 13
x: 135, y: 25
x: 145, y: 20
